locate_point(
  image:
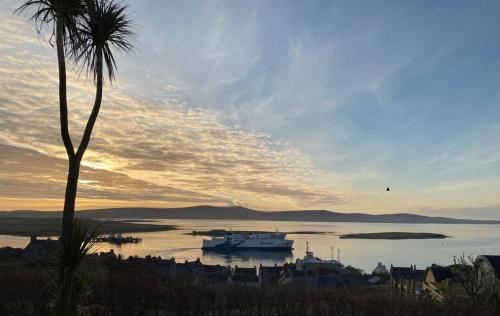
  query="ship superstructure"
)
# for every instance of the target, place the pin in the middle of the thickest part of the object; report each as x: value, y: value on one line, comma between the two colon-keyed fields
x: 251, y: 241
x: 311, y: 262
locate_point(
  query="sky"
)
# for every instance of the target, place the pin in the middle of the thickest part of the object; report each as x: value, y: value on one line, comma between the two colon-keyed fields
x: 272, y: 105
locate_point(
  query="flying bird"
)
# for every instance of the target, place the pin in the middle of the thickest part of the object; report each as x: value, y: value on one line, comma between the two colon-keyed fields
x: 388, y: 189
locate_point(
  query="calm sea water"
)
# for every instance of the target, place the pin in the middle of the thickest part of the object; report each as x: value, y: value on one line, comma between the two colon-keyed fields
x: 365, y: 254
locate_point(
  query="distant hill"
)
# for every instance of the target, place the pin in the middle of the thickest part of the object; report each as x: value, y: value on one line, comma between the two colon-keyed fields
x: 242, y: 213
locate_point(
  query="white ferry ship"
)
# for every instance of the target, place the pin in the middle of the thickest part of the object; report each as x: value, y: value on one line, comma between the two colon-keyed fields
x: 249, y: 241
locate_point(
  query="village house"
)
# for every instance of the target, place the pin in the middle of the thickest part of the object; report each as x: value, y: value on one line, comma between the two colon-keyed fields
x: 214, y: 274
x: 380, y: 275
x: 351, y: 270
x: 291, y: 275
x: 406, y: 280
x: 167, y: 266
x: 244, y: 277
x: 440, y: 281
x: 41, y: 251
x: 269, y: 275
x: 381, y: 271
x: 188, y: 271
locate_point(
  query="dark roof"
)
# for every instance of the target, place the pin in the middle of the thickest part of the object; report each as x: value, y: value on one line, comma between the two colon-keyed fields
x: 351, y: 270
x: 43, y: 244
x: 188, y: 267
x: 48, y: 244
x: 247, y: 271
x: 407, y: 273
x: 495, y: 263
x: 245, y: 278
x: 270, y: 270
x: 207, y: 268
x: 441, y: 273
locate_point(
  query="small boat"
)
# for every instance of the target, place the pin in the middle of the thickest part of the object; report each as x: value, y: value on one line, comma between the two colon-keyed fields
x: 311, y: 262
x: 249, y: 241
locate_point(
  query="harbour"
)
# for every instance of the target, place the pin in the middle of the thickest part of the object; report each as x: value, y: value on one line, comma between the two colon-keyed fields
x: 361, y: 253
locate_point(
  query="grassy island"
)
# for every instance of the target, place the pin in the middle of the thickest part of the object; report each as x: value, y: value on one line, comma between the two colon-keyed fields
x: 394, y: 235
x: 23, y: 226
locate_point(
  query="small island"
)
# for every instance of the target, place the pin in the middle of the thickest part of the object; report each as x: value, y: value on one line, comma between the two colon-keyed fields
x: 394, y: 235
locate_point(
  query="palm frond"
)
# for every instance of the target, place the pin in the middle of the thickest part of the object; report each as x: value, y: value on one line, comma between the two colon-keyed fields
x: 82, y: 243
x: 45, y: 14
x: 106, y: 28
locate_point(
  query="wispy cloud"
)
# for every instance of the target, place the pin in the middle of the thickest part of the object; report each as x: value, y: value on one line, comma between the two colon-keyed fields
x: 277, y: 104
x: 142, y: 149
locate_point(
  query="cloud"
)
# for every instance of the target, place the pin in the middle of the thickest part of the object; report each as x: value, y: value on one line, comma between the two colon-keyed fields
x: 142, y: 149
x: 277, y: 105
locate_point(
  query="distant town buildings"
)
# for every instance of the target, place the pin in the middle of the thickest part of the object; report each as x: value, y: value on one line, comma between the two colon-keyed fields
x: 40, y: 251
x: 436, y: 281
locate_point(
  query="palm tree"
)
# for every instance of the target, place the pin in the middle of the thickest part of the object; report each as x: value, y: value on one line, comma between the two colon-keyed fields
x: 61, y: 17
x: 88, y: 31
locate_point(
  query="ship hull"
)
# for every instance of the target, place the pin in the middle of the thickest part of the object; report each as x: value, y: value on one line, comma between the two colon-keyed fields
x: 223, y: 249
x: 248, y: 244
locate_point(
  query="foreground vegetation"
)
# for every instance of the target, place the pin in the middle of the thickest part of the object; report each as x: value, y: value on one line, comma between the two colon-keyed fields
x: 22, y: 226
x: 107, y: 285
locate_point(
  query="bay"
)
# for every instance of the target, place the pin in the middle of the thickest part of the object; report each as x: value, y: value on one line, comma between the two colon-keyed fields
x: 470, y: 240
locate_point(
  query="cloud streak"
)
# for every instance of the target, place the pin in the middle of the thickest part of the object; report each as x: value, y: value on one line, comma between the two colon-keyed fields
x: 142, y: 150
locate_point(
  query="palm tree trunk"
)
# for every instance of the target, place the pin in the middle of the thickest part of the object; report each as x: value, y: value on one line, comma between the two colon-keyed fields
x: 64, y: 306
x: 69, y: 202
x: 64, y: 286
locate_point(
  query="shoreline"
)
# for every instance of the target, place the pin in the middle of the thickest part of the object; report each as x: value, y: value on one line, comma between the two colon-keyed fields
x: 49, y: 227
x: 394, y: 236
x: 222, y: 232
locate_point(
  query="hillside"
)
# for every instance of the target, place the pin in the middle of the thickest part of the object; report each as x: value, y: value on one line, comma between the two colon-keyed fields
x: 241, y: 213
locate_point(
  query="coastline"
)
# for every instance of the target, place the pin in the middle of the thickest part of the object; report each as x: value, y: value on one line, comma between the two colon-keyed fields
x: 48, y: 227
x: 394, y: 236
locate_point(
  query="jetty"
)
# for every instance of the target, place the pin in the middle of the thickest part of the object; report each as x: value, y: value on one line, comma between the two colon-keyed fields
x: 118, y: 239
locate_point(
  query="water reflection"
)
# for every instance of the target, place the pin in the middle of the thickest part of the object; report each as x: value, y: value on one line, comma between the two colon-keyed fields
x: 365, y: 254
x: 268, y: 257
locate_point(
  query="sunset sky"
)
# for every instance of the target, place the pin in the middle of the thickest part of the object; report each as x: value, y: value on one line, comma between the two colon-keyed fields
x: 273, y: 105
